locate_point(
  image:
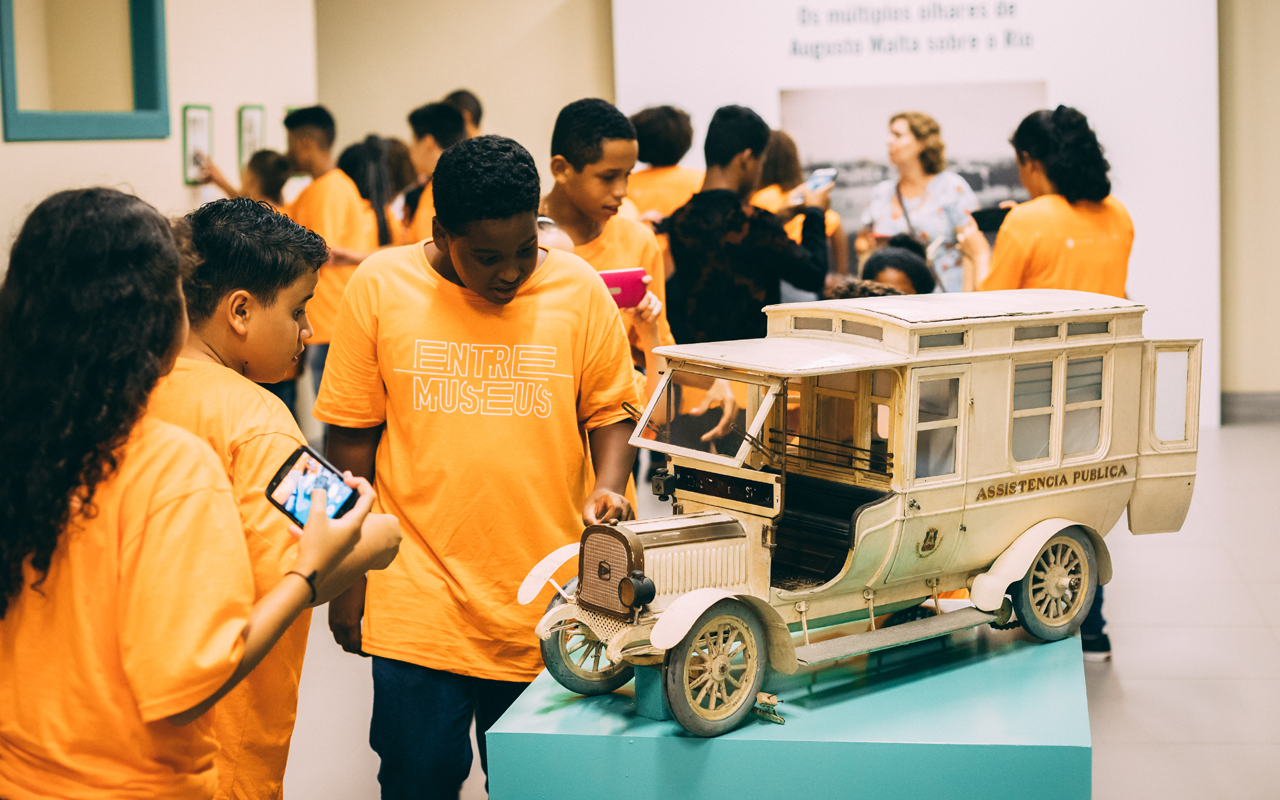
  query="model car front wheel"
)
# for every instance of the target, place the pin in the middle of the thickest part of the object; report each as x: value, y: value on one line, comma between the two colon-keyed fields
x: 576, y: 657
x: 1054, y: 597
x: 713, y: 675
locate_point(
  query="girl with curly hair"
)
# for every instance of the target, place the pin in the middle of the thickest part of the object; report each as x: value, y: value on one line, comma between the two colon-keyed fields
x: 126, y: 596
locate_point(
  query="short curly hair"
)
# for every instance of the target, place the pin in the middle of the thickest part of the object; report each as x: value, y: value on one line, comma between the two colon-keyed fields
x: 488, y: 177
x: 582, y: 128
x: 929, y: 134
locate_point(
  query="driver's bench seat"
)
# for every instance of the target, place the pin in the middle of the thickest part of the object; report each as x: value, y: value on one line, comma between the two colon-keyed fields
x: 815, y: 532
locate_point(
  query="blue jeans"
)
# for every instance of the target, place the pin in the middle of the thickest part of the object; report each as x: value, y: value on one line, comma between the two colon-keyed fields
x: 1093, y: 621
x: 316, y: 355
x: 421, y: 721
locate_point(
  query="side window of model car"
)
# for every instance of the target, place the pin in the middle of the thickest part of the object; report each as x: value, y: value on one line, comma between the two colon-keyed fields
x: 937, y: 426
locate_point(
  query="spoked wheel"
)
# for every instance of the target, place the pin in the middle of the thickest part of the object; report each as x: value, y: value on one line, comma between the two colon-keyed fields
x: 576, y: 658
x: 1054, y: 597
x: 713, y: 675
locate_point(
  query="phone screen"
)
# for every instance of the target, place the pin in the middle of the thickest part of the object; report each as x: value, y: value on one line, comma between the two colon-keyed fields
x: 820, y: 178
x: 307, y: 474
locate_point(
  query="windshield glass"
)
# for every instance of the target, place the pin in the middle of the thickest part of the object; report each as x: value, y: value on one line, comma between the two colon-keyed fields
x: 705, y: 417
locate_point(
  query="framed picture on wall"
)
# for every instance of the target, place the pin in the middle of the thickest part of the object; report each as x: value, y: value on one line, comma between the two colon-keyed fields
x: 197, y: 141
x: 252, y: 127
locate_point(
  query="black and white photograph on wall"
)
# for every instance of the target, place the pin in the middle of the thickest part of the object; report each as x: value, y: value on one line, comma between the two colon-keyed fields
x: 834, y: 128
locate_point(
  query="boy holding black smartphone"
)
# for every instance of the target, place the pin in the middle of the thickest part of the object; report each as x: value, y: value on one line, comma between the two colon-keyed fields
x: 250, y: 274
x: 469, y: 365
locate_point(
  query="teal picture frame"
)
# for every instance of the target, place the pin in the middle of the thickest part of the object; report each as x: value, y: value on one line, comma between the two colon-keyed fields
x: 243, y: 153
x: 187, y: 152
x: 150, y: 116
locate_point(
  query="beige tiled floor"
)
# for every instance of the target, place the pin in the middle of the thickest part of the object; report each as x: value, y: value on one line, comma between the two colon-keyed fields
x: 1188, y: 708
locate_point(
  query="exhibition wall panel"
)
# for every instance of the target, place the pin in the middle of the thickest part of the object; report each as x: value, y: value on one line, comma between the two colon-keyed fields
x: 1250, y: 172
x: 525, y: 59
x: 1144, y: 72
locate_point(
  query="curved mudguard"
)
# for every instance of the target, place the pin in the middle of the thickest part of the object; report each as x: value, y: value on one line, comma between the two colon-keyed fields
x: 678, y: 618
x: 532, y: 585
x: 989, y: 588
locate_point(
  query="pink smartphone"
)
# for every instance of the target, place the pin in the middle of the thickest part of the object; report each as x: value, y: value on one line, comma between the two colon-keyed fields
x: 625, y: 285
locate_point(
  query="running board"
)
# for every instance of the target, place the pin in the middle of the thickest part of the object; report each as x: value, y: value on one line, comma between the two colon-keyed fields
x: 860, y: 643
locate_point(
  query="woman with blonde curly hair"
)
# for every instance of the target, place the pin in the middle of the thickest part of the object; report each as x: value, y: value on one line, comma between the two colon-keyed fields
x: 927, y: 202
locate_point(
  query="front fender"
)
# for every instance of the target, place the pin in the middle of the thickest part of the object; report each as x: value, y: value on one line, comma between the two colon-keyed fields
x: 561, y: 613
x: 678, y: 618
x: 542, y: 572
x: 989, y: 588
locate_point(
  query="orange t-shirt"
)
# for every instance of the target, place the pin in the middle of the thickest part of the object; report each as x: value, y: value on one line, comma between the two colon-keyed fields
x: 419, y: 227
x: 252, y: 433
x: 626, y: 244
x: 1048, y: 243
x: 332, y: 207
x: 139, y: 618
x: 663, y: 189
x: 773, y: 200
x: 482, y: 458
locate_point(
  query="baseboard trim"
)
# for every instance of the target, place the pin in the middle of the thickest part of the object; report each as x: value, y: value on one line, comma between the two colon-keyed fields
x: 1244, y: 408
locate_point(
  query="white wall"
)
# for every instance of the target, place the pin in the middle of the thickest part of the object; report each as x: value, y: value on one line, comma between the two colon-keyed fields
x: 224, y: 55
x: 1144, y: 71
x: 525, y: 59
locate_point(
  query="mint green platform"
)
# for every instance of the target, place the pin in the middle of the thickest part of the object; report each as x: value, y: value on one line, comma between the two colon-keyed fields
x: 979, y: 714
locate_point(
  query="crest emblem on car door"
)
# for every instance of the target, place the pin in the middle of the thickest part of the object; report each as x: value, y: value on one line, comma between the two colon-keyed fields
x: 929, y: 546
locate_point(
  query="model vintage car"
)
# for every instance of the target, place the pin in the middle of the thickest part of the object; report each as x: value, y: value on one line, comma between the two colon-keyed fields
x: 882, y: 451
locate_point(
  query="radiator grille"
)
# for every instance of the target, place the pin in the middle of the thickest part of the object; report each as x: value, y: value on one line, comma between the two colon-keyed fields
x: 680, y: 571
x: 604, y: 564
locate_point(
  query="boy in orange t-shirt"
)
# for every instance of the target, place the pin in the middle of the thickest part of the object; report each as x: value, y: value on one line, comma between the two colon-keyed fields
x: 664, y: 134
x: 246, y: 298
x: 468, y: 366
x: 332, y: 207
x: 436, y: 127
x: 593, y: 150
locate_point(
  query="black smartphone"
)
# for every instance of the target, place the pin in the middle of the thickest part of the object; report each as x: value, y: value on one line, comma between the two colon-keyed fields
x: 301, y: 474
x: 990, y: 219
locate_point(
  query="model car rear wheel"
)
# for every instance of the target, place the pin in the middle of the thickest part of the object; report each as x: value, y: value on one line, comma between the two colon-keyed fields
x: 713, y: 675
x: 576, y: 657
x: 1054, y: 597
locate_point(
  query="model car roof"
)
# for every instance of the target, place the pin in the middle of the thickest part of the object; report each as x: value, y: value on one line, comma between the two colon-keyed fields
x: 789, y: 352
x: 917, y: 309
x: 785, y: 356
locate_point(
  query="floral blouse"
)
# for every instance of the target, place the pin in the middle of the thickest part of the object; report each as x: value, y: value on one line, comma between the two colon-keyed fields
x: 936, y: 214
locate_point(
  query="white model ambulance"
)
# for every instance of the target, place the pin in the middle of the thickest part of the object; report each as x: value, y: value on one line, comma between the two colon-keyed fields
x: 874, y: 454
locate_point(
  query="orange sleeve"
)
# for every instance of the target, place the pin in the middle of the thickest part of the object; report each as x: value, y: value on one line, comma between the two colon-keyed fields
x: 833, y: 223
x: 186, y: 594
x: 317, y: 210
x: 352, y: 394
x: 654, y: 264
x: 1008, y: 261
x: 608, y: 378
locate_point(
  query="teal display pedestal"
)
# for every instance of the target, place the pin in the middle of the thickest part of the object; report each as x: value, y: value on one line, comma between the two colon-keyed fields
x: 979, y: 714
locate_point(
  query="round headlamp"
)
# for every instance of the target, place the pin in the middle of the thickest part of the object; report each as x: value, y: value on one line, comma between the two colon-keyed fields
x: 635, y: 590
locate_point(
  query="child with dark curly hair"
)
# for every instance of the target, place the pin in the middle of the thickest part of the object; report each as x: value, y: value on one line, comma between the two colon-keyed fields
x: 127, y: 603
x: 467, y: 368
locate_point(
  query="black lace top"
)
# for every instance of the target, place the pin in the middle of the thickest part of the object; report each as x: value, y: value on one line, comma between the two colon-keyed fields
x: 729, y: 259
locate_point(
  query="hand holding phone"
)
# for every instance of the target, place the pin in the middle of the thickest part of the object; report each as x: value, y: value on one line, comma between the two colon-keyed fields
x: 820, y: 179
x: 626, y: 286
x: 302, y: 474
